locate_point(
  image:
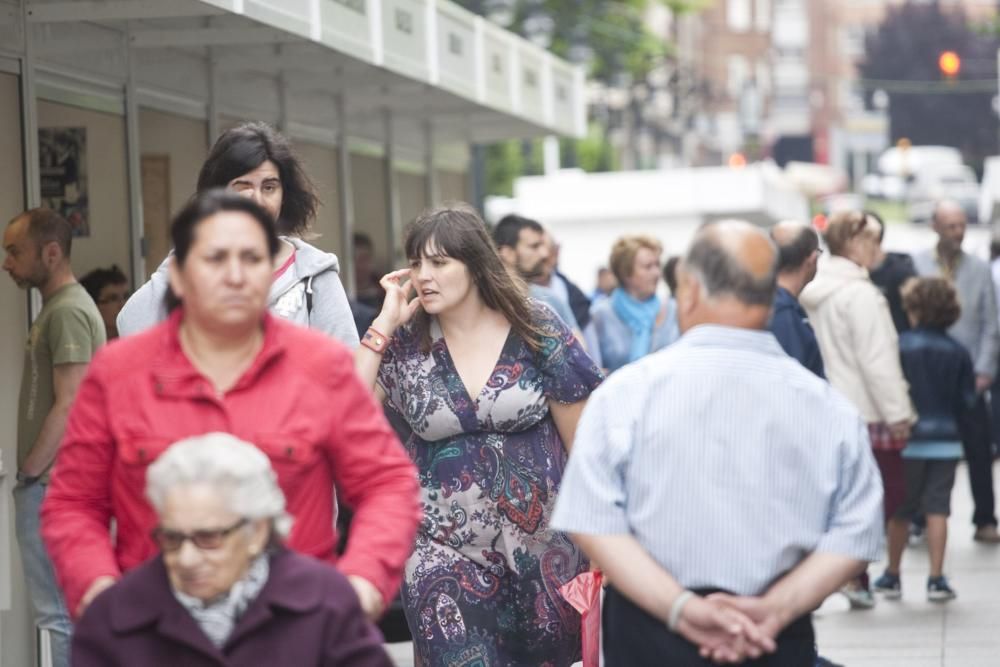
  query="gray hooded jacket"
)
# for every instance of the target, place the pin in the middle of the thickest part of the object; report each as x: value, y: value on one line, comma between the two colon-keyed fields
x: 314, y: 273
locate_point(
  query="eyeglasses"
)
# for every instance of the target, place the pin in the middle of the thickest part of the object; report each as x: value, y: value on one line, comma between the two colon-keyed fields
x: 172, y: 540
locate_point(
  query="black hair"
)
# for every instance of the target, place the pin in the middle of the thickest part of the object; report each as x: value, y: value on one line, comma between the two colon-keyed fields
x: 508, y: 230
x: 456, y: 230
x: 362, y: 240
x: 205, y: 204
x: 793, y: 253
x: 47, y: 226
x: 98, y: 279
x: 247, y: 146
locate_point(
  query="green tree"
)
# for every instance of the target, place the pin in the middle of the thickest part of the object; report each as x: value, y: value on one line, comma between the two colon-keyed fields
x: 901, y: 57
x: 610, y: 38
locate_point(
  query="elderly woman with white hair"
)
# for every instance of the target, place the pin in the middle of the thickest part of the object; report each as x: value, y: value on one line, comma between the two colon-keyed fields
x: 224, y: 591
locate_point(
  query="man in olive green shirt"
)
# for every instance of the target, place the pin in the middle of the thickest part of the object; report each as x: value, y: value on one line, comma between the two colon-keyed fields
x: 61, y: 343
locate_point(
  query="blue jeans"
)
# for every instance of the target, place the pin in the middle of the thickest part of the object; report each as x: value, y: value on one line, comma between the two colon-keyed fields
x: 46, y: 598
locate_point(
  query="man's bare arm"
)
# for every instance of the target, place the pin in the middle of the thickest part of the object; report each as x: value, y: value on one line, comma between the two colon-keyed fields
x: 66, y: 380
x: 799, y: 592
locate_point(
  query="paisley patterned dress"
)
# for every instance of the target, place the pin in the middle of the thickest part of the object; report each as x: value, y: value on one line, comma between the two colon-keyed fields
x: 481, y: 588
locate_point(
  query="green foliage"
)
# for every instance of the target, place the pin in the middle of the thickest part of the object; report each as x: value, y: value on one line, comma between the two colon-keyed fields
x: 503, y: 164
x: 593, y: 152
x: 619, y: 49
x: 613, y: 31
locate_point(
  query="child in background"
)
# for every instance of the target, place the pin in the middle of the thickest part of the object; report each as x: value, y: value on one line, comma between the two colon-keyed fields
x: 942, y: 387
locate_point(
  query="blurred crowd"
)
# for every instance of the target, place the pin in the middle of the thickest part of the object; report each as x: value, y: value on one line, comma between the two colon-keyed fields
x: 727, y: 452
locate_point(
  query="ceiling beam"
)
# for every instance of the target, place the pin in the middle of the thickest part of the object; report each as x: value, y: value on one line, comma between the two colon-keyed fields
x: 116, y: 10
x: 158, y: 39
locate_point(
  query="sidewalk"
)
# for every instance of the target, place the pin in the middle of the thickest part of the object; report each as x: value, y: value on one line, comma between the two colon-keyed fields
x: 912, y: 632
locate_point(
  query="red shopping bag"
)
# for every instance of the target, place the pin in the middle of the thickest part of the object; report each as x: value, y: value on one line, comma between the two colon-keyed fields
x: 584, y: 593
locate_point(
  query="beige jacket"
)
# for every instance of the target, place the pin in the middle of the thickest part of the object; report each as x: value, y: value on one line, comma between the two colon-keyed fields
x: 858, y: 340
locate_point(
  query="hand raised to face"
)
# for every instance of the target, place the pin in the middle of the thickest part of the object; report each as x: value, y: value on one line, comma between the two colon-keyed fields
x: 399, y: 305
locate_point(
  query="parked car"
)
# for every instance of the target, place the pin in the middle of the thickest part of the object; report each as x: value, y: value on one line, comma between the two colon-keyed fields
x: 943, y: 181
x: 898, y: 168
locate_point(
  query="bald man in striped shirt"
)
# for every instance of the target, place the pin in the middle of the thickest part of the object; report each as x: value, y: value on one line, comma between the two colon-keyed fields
x: 724, y: 489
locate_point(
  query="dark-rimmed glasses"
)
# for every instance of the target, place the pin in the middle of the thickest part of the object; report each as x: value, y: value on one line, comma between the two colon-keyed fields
x: 172, y: 540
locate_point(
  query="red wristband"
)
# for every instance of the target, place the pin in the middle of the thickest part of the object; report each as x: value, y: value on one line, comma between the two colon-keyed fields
x: 375, y: 341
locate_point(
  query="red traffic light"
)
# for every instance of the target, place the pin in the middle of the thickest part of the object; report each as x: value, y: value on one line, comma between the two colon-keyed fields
x: 949, y: 63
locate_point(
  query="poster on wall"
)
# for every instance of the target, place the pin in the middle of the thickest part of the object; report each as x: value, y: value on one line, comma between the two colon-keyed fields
x: 62, y: 155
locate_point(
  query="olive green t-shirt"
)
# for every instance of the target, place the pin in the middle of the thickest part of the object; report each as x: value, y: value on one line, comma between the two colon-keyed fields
x: 67, y: 331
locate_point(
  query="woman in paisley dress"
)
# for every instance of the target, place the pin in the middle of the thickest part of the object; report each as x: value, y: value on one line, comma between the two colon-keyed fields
x: 492, y: 384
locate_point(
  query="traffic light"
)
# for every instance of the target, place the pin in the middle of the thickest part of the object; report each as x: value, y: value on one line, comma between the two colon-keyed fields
x: 950, y: 64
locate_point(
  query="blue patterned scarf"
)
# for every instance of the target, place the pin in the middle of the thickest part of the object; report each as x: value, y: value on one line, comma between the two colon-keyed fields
x: 639, y: 317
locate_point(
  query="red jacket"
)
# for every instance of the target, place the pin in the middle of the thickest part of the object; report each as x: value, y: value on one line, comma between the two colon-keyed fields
x: 300, y: 402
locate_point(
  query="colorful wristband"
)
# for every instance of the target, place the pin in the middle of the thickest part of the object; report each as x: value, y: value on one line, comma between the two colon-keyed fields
x: 375, y: 340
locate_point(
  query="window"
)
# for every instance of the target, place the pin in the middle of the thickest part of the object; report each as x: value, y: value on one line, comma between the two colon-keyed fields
x: 737, y: 74
x: 738, y: 15
x: 762, y: 15
x: 763, y: 77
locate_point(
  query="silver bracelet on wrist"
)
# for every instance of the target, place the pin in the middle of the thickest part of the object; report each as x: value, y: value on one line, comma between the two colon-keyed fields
x: 677, y: 608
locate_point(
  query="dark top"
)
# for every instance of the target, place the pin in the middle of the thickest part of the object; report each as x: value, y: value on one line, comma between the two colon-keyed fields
x: 791, y: 327
x: 942, y: 384
x: 306, y: 614
x: 579, y: 303
x: 889, y: 277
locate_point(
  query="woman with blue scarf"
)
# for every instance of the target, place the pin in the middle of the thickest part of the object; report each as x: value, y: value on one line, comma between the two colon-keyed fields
x: 634, y: 321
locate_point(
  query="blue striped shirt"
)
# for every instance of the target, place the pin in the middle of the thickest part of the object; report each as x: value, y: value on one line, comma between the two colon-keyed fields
x: 727, y: 460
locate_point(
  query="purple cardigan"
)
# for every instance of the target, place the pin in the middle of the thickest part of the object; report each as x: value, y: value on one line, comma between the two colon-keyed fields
x: 306, y: 614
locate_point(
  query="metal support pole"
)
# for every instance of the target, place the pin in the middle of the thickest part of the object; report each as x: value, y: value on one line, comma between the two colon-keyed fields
x: 345, y: 200
x: 432, y: 193
x: 133, y: 161
x: 477, y: 176
x: 998, y: 99
x: 43, y: 644
x: 29, y: 119
x: 392, y: 213
x: 283, y: 119
x: 29, y: 140
x: 212, y: 125
x: 858, y: 166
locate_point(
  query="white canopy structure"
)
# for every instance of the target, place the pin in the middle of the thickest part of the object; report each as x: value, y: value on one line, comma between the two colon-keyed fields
x: 407, y: 75
x: 381, y: 98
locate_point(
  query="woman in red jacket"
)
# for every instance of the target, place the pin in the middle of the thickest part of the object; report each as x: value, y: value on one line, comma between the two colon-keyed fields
x: 222, y: 363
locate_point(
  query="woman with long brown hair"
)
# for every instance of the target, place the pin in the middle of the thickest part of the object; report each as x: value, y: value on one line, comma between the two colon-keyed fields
x: 492, y: 384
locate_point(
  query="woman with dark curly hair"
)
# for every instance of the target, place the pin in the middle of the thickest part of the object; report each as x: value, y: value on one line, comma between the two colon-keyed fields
x: 254, y: 160
x: 492, y: 384
x: 942, y: 386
